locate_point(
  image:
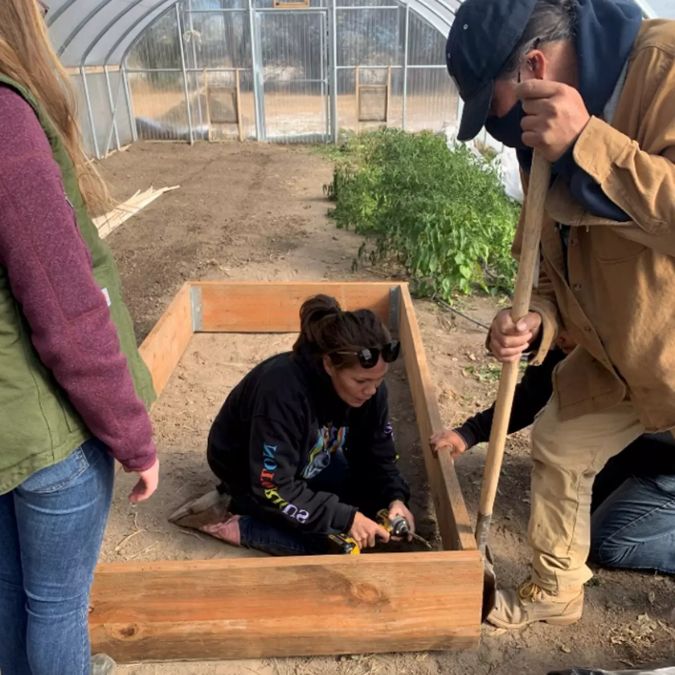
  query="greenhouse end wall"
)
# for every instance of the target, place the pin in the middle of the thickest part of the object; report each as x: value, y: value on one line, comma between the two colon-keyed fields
x: 104, y: 105
x: 247, y: 69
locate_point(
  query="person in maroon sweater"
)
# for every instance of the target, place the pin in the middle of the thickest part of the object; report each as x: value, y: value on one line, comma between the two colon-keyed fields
x: 61, y: 359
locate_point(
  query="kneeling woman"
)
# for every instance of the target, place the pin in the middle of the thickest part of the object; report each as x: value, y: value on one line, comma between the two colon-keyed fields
x: 303, y: 444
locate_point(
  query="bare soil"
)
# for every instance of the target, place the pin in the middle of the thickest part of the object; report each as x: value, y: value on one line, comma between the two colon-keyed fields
x: 247, y: 211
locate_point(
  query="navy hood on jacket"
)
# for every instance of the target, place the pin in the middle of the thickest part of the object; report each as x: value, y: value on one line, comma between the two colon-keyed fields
x: 604, y: 36
x: 605, y: 32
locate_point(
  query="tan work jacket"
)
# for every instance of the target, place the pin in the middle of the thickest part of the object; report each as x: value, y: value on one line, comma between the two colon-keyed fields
x: 618, y: 298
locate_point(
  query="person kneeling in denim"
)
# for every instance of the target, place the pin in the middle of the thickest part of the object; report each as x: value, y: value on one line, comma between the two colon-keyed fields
x: 303, y: 445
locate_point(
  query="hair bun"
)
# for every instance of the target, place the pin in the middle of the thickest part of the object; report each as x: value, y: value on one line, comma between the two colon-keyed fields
x: 313, y: 310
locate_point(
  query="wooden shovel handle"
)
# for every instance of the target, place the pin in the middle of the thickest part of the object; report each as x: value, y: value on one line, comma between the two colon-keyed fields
x: 534, y: 212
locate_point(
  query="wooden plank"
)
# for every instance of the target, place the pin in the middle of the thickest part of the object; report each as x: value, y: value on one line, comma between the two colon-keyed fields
x: 263, y: 607
x: 162, y: 348
x: 453, y: 518
x: 273, y: 307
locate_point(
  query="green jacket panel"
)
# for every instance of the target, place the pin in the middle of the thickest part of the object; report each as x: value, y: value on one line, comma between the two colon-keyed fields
x: 38, y: 424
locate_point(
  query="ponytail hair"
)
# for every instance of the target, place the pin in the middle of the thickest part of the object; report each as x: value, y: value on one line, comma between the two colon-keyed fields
x: 326, y: 329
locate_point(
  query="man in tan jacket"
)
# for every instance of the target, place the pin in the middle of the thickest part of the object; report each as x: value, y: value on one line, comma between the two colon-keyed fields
x: 592, y: 87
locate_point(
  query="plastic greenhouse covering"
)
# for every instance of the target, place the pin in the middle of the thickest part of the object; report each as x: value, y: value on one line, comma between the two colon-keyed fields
x: 281, y: 70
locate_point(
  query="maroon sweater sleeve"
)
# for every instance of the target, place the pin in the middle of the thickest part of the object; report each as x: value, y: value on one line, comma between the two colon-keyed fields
x: 50, y: 274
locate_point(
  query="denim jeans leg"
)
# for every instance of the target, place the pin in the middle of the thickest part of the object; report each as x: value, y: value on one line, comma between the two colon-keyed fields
x: 61, y: 513
x: 262, y: 536
x: 634, y: 527
x: 12, y: 596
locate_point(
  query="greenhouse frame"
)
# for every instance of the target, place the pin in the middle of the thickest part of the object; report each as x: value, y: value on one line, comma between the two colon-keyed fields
x: 267, y: 70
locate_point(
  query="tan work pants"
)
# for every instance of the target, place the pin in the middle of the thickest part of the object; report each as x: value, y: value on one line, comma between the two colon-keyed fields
x: 567, y: 455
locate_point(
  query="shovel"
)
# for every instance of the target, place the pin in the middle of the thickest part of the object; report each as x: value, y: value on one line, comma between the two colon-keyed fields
x: 529, y: 258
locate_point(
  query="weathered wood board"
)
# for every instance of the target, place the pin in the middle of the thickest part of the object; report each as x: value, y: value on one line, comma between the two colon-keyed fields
x: 258, y: 607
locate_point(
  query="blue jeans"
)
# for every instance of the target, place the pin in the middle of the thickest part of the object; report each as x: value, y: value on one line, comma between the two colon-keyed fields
x: 51, y: 528
x: 257, y: 532
x: 634, y: 527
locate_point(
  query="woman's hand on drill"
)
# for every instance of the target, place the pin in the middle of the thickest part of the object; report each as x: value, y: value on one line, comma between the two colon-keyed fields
x: 366, y: 532
x: 398, y: 508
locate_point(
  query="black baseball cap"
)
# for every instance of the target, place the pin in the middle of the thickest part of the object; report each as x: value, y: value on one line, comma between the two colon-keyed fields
x: 481, y: 40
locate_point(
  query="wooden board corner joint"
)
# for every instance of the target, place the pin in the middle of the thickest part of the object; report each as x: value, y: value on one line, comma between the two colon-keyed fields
x: 394, y: 308
x: 196, y: 308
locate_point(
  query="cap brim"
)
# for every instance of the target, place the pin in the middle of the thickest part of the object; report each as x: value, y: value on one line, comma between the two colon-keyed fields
x: 475, y: 112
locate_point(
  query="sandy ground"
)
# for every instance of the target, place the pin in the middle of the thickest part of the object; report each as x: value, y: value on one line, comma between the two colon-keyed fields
x: 258, y: 212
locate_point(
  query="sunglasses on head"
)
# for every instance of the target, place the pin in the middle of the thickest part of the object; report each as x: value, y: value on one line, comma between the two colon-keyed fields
x: 369, y: 356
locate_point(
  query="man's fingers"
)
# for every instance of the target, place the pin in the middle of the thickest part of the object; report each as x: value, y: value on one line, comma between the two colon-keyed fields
x: 512, y: 342
x: 507, y: 359
x: 534, y: 89
x: 507, y: 327
x: 508, y: 352
x: 533, y: 107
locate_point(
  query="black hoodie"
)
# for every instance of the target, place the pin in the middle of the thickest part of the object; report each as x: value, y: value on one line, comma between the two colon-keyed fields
x: 278, y: 429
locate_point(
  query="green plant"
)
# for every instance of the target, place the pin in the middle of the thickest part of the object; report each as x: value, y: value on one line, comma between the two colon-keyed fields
x: 440, y: 212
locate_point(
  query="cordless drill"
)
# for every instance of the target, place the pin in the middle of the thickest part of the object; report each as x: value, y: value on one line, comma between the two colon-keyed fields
x: 398, y: 526
x: 343, y: 543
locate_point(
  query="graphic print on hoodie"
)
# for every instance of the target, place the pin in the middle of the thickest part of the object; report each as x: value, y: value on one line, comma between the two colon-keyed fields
x: 281, y: 425
x: 330, y: 440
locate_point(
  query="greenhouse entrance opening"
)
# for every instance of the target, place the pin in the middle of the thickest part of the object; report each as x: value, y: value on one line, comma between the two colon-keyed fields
x: 294, y: 63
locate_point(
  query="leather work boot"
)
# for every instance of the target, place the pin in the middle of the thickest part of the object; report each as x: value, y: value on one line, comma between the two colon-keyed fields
x: 515, y: 608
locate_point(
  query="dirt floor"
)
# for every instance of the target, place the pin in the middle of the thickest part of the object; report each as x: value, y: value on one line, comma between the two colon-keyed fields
x: 258, y: 212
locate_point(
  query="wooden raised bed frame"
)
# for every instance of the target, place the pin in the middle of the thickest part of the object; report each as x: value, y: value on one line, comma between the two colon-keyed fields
x: 263, y: 607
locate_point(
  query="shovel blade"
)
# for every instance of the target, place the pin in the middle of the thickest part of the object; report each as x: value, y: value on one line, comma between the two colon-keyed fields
x: 489, y: 576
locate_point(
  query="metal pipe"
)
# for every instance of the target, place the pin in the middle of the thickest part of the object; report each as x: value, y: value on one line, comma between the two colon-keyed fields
x: 325, y: 87
x: 90, y: 112
x: 218, y: 10
x: 405, y: 68
x: 359, y: 7
x: 113, y: 113
x: 257, y: 72
x: 393, y: 66
x: 335, y: 131
x: 179, y: 70
x: 194, y: 60
x: 80, y: 26
x: 281, y: 10
x: 130, y: 105
x: 144, y: 20
x: 185, y: 81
